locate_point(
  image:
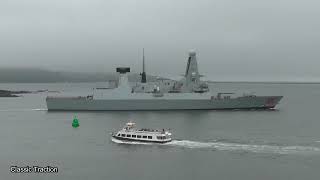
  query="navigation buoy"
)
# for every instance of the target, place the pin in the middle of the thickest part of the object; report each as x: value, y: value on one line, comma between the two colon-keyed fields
x: 75, y: 122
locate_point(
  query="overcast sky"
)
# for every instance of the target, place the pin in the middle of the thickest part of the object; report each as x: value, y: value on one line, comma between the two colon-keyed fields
x: 234, y: 39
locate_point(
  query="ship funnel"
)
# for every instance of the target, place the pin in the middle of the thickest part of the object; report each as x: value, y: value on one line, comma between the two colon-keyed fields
x: 143, y: 74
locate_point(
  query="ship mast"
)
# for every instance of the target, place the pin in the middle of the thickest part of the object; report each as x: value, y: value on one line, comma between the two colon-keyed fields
x: 143, y: 74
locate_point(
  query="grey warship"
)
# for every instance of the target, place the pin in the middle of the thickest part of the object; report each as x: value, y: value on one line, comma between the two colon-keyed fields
x: 189, y: 93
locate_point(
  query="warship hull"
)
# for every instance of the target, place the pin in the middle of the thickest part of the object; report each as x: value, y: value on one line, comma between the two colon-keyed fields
x: 87, y: 104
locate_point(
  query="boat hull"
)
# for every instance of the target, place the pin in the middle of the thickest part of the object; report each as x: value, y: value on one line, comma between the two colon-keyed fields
x: 87, y: 104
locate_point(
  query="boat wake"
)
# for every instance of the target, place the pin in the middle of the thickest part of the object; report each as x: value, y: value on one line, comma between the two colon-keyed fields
x: 236, y: 147
x: 19, y: 110
x: 272, y: 149
x: 39, y: 109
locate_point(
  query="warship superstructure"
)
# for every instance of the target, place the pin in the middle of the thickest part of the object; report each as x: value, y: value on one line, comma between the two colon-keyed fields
x: 189, y: 93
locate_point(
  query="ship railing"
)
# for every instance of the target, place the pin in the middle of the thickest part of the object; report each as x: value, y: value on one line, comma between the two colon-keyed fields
x: 157, y: 94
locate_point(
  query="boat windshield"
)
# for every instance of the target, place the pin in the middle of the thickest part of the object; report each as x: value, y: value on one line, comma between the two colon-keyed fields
x: 129, y: 125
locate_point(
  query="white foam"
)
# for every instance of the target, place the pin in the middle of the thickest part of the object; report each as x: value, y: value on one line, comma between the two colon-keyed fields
x: 39, y: 109
x: 247, y: 147
x: 271, y: 149
x: 15, y: 110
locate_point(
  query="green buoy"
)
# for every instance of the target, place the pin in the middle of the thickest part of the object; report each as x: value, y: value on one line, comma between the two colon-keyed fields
x: 75, y: 122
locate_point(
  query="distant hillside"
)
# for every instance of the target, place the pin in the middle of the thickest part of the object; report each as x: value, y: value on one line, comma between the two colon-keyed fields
x: 20, y: 75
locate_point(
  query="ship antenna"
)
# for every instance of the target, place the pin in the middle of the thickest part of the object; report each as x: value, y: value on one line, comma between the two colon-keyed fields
x: 143, y: 74
x: 143, y: 65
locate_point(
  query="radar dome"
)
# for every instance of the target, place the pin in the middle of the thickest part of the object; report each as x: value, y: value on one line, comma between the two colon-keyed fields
x: 192, y: 53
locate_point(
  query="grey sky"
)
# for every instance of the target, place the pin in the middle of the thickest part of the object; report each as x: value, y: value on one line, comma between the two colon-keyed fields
x: 234, y: 39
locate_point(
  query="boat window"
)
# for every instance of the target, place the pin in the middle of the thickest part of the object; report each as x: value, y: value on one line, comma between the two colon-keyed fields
x: 149, y: 137
x: 118, y: 135
x: 163, y: 137
x: 138, y: 136
x: 133, y: 136
x: 128, y: 135
x: 123, y: 135
x: 144, y: 136
x: 159, y: 137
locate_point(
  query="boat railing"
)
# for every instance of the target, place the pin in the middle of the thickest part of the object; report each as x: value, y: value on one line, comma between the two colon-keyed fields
x: 152, y: 130
x: 148, y: 130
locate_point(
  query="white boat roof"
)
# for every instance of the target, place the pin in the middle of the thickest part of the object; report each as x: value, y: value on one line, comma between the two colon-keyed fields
x: 141, y: 131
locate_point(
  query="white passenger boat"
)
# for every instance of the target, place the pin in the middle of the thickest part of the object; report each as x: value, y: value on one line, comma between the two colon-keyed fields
x: 130, y: 133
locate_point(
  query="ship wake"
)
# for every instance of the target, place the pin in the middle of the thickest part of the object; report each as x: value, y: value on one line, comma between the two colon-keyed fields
x: 235, y: 147
x: 272, y: 149
x: 21, y: 110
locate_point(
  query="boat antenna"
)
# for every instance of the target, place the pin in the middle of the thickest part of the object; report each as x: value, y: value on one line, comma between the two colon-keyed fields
x: 143, y: 74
